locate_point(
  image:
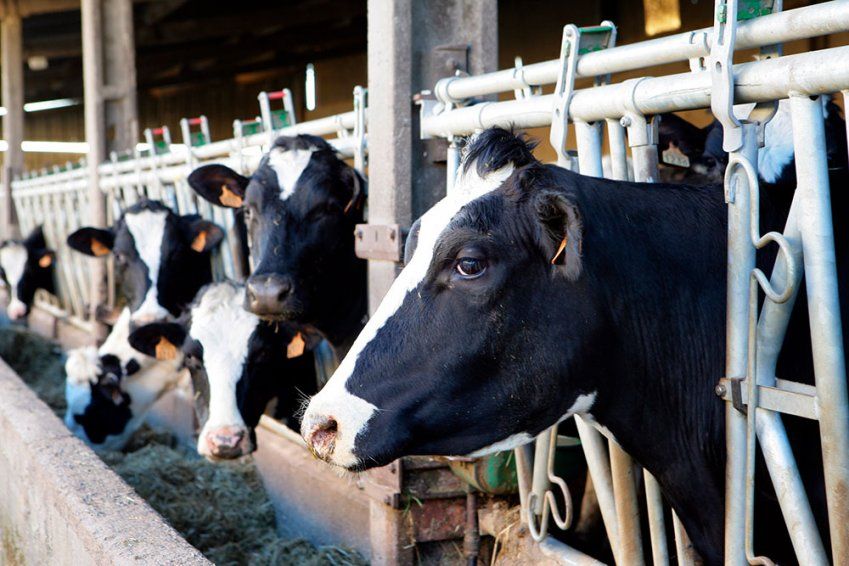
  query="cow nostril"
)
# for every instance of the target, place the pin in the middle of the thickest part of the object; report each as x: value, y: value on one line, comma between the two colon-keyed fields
x: 322, y: 439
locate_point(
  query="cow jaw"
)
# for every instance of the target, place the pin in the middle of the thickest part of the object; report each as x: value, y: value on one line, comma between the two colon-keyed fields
x: 334, y: 405
x: 13, y: 260
x: 148, y: 230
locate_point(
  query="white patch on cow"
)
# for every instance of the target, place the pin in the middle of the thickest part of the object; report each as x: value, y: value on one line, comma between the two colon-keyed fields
x: 223, y: 327
x: 13, y: 260
x: 778, y: 149
x: 153, y: 379
x: 582, y: 404
x: 148, y: 230
x: 352, y: 413
x: 288, y: 165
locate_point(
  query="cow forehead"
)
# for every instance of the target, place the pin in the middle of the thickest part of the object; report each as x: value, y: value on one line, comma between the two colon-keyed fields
x: 147, y: 228
x: 223, y: 328
x: 13, y: 260
x: 288, y: 165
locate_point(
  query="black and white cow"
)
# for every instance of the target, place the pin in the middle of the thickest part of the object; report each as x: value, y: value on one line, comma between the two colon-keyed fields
x: 238, y: 363
x: 301, y: 206
x: 26, y: 266
x: 109, y: 390
x: 161, y: 261
x: 532, y: 294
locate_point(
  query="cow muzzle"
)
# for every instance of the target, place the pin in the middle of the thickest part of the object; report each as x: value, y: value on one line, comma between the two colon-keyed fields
x: 225, y: 443
x: 268, y: 294
x: 17, y: 309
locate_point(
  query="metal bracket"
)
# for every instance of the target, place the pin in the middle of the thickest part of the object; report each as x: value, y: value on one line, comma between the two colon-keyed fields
x: 379, y: 241
x: 452, y: 59
x: 359, y: 134
x: 159, y: 140
x: 273, y: 120
x: 198, y: 137
x: 576, y: 41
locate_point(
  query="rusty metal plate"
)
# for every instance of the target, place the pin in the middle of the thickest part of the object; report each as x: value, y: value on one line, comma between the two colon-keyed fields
x: 379, y: 241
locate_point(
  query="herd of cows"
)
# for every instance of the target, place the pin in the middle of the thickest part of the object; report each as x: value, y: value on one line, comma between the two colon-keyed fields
x: 529, y: 294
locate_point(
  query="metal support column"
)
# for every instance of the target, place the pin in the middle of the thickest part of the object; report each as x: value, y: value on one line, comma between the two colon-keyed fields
x: 111, y: 122
x: 12, y: 68
x: 824, y: 312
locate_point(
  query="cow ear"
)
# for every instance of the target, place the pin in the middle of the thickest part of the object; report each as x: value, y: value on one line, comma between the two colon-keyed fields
x: 203, y: 234
x: 561, y: 232
x: 35, y: 240
x: 46, y: 258
x: 219, y: 185
x: 95, y: 242
x: 412, y: 241
x: 160, y: 340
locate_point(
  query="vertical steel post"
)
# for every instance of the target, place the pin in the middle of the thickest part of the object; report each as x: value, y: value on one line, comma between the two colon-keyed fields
x: 12, y: 69
x: 657, y: 524
x: 741, y: 261
x: 824, y: 313
x: 772, y: 327
x: 623, y: 470
x: 588, y: 137
x: 598, y: 463
x: 618, y: 152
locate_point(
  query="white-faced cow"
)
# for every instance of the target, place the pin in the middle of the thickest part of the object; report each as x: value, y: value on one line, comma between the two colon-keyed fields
x: 238, y: 364
x: 26, y: 266
x: 161, y: 261
x: 532, y: 294
x: 301, y: 206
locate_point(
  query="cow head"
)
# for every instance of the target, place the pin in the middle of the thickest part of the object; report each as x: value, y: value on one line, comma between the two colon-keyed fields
x: 301, y: 206
x: 26, y: 266
x: 238, y: 364
x: 460, y: 357
x: 110, y: 390
x: 161, y: 258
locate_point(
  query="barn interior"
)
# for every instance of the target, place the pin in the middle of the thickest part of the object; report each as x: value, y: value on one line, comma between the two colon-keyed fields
x: 196, y: 57
x: 216, y: 56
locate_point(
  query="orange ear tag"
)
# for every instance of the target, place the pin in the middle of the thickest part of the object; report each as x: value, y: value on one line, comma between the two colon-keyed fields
x: 165, y: 350
x: 229, y: 198
x: 296, y: 346
x: 98, y: 249
x: 45, y: 261
x: 560, y: 249
x: 199, y: 242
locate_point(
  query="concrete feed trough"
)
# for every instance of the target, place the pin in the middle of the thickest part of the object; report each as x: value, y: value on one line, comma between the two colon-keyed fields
x: 60, y: 504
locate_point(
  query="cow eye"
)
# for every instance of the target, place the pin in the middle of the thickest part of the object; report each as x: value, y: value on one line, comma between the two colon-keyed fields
x: 470, y: 267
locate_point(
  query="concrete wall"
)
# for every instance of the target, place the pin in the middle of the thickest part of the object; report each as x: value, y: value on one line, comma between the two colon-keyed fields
x: 61, y: 505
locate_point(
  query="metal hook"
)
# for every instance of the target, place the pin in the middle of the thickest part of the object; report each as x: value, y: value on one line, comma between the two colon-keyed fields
x: 549, y: 507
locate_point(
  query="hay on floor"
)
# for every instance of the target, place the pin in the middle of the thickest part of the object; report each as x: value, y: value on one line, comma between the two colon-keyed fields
x: 222, y: 509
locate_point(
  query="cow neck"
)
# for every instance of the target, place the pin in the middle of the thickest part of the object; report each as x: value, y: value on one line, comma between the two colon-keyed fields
x: 342, y: 329
x: 662, y: 284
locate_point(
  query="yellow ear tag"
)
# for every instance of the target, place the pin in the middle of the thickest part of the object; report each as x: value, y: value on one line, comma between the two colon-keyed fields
x: 45, y: 261
x: 98, y: 249
x: 560, y: 249
x: 199, y: 242
x: 229, y: 198
x: 296, y: 346
x: 165, y: 350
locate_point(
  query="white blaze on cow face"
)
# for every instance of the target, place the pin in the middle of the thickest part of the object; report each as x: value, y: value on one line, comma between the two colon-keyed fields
x: 289, y: 165
x: 13, y: 260
x: 148, y: 230
x: 223, y: 328
x: 353, y: 413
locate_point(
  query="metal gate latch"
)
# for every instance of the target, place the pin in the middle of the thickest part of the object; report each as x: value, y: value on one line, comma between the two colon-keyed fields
x: 379, y: 241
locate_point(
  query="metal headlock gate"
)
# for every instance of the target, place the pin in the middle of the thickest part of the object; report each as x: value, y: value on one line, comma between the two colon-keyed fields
x: 58, y: 199
x: 742, y: 97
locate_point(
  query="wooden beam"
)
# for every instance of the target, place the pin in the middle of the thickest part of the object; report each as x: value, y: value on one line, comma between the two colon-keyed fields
x: 35, y: 7
x: 12, y: 86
